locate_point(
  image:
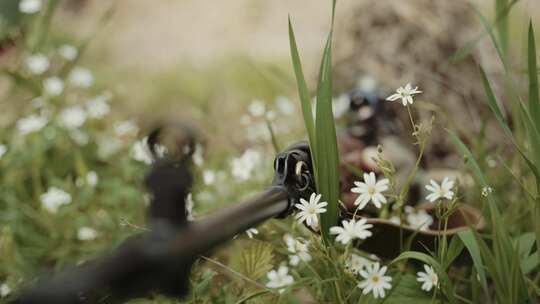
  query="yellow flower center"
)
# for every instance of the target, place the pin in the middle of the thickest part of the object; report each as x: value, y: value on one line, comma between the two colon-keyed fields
x: 375, y: 279
x: 371, y: 190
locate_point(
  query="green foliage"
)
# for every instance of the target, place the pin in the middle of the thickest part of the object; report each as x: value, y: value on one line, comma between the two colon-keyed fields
x: 322, y: 134
x: 256, y: 260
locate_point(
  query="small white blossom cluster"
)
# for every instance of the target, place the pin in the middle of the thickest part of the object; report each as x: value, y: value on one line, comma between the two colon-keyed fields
x: 351, y: 230
x: 440, y: 191
x: 243, y: 167
x: 375, y: 280
x: 298, y: 250
x: 260, y: 114
x: 279, y: 279
x: 86, y: 234
x: 5, y: 290
x: 310, y: 210
x: 54, y: 198
x: 3, y: 150
x: 370, y: 190
x: 30, y: 6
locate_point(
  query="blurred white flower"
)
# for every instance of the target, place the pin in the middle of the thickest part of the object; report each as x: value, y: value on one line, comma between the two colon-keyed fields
x: 108, y: 146
x: 30, y: 6
x: 140, y: 151
x: 256, y: 108
x: 486, y: 190
x: 68, y: 52
x: 126, y: 127
x: 81, y: 77
x: 367, y: 83
x: 243, y: 166
x: 270, y: 115
x: 370, y: 190
x: 54, y: 198
x: 73, y: 117
x: 405, y: 94
x: 285, y: 105
x: 79, y: 137
x: 86, y: 234
x: 444, y: 190
x: 197, y: 156
x: 258, y: 131
x: 209, y: 177
x: 356, y: 263
x: 30, y: 124
x: 98, y: 106
x: 309, y: 211
x: 375, y: 280
x: 92, y: 178
x: 189, y: 207
x: 279, y: 278
x: 3, y: 150
x: 395, y: 219
x: 428, y: 278
x: 419, y: 220
x: 351, y: 230
x: 340, y: 105
x: 37, y: 64
x: 5, y: 290
x: 53, y: 86
x: 251, y: 232
x: 298, y: 250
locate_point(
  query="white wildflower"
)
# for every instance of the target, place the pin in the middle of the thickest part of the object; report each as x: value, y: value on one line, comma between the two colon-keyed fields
x: 79, y: 137
x: 370, y: 190
x: 126, y: 127
x: 209, y: 177
x: 405, y: 94
x: 3, y: 150
x: 251, y: 232
x: 73, y: 117
x: 309, y: 211
x: 429, y: 279
x: 98, y: 107
x: 140, y: 151
x: 351, y: 230
x: 257, y: 108
x: 81, y: 77
x: 30, y: 6
x: 189, y: 207
x: 68, y: 52
x: 357, y: 263
x: 444, y: 190
x: 395, y: 219
x: 37, y: 64
x: 280, y: 278
x: 198, y: 155
x: 5, y: 290
x: 375, y: 280
x: 92, y: 178
x: 30, y: 124
x: 486, y: 190
x: 86, y: 234
x: 419, y: 220
x: 340, y: 105
x: 298, y: 250
x: 243, y: 167
x: 53, y: 86
x: 54, y: 198
x: 285, y: 105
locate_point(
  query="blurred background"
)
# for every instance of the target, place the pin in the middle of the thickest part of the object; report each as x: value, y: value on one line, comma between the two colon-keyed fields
x: 224, y: 67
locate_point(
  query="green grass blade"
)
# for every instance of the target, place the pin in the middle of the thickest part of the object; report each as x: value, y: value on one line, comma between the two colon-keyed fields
x: 446, y: 284
x: 534, y: 100
x: 469, y: 241
x: 493, y: 105
x: 302, y: 92
x: 326, y: 141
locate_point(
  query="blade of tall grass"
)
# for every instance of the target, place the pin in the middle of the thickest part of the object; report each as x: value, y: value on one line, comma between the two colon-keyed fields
x: 501, y: 262
x: 302, y: 90
x: 494, y: 106
x: 326, y: 141
x: 468, y: 239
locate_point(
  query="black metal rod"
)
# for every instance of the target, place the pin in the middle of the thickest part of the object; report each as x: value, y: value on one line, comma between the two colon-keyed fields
x: 159, y: 260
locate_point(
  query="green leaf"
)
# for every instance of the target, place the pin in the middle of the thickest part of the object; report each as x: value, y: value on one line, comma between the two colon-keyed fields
x: 256, y: 260
x: 469, y: 241
x: 302, y: 91
x: 534, y: 100
x: 446, y: 284
x: 407, y: 290
x: 493, y: 105
x: 454, y: 249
